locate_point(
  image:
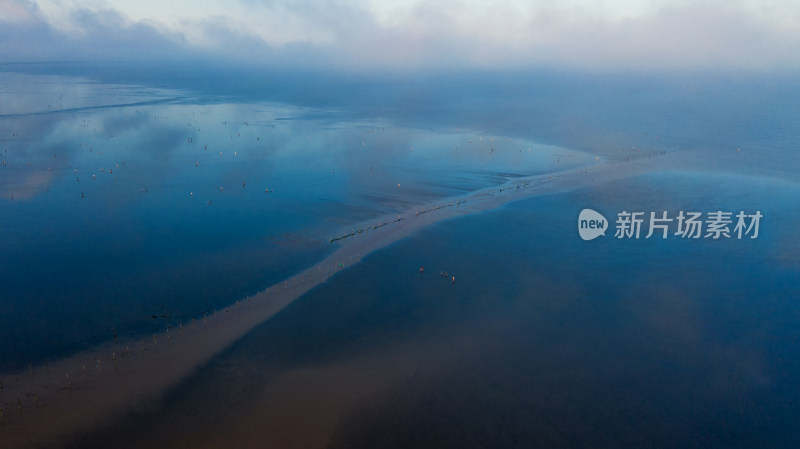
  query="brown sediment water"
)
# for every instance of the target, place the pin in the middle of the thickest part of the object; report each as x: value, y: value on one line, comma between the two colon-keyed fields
x: 301, y: 408
x: 61, y: 397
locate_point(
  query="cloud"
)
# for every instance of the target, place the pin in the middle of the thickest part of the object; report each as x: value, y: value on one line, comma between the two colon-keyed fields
x: 415, y: 35
x: 102, y: 36
x: 17, y: 11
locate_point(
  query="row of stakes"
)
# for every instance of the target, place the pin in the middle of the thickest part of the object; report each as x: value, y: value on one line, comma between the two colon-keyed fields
x: 116, y: 357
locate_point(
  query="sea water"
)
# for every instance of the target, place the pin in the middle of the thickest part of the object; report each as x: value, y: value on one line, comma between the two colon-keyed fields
x: 543, y: 339
x: 129, y: 209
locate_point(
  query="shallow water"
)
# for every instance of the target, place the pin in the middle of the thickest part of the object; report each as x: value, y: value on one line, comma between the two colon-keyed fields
x: 130, y: 209
x: 544, y: 339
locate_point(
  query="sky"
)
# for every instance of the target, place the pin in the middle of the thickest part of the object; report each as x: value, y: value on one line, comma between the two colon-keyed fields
x: 603, y: 35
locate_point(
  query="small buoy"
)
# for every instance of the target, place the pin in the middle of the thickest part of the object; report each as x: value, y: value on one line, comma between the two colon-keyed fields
x: 421, y: 269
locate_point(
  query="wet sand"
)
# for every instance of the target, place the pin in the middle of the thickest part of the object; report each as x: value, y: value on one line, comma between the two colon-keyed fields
x: 67, y: 396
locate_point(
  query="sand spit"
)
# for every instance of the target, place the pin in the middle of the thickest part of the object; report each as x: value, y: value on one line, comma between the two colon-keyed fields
x: 46, y: 402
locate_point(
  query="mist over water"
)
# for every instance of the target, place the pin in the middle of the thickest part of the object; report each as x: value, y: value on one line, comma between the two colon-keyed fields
x: 605, y: 112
